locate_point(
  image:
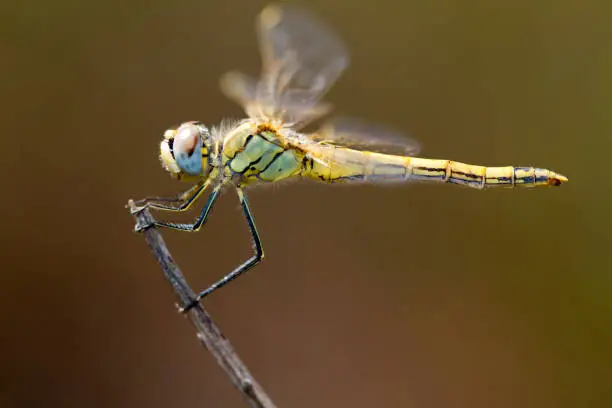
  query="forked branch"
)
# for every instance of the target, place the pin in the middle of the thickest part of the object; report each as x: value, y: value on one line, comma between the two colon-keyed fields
x: 207, y: 332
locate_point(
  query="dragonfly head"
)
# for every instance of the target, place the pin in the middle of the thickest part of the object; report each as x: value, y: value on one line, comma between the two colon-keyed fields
x: 185, y: 151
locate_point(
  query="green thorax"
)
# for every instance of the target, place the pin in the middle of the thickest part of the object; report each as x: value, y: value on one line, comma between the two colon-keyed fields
x: 257, y: 153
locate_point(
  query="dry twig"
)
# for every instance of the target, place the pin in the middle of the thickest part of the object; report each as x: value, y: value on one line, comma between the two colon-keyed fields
x: 207, y: 332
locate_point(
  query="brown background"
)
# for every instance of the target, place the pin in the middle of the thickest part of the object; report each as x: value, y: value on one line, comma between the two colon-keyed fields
x: 415, y: 296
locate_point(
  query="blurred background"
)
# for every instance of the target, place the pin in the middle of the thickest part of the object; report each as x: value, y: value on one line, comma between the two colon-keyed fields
x: 410, y: 296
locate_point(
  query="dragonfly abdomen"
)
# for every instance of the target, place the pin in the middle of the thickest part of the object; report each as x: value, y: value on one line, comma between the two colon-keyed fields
x: 332, y: 164
x: 480, y: 176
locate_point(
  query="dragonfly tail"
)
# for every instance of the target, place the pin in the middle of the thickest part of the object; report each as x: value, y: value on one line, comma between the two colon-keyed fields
x: 337, y: 164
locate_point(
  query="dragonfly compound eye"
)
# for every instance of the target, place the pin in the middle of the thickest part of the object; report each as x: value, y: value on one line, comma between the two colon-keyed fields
x: 187, y: 149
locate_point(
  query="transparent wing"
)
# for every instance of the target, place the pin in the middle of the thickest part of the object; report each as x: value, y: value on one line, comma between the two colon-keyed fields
x: 360, y: 135
x: 292, y: 110
x: 301, y: 59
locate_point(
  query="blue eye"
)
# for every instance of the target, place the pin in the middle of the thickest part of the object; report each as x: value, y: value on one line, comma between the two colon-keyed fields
x: 187, y: 149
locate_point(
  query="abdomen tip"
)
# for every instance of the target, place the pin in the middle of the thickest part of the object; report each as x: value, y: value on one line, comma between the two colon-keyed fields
x: 556, y: 179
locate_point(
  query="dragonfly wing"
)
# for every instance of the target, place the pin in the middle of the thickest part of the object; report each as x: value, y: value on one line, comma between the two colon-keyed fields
x: 353, y: 150
x: 360, y: 135
x: 242, y: 89
x: 301, y: 59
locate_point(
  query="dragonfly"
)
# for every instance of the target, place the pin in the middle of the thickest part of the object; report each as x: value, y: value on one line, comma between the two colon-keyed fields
x: 301, y: 59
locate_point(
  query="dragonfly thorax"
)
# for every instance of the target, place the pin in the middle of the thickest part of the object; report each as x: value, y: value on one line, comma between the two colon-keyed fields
x: 185, y: 151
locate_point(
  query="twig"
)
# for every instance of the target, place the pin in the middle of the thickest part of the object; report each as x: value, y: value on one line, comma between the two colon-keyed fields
x: 207, y: 332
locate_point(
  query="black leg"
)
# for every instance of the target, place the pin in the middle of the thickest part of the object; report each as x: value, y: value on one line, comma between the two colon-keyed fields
x: 250, y: 263
x: 185, y: 199
x: 195, y: 226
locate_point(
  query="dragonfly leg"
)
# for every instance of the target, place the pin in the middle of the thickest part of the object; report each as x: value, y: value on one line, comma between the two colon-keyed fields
x: 196, y: 225
x: 250, y: 263
x: 185, y: 199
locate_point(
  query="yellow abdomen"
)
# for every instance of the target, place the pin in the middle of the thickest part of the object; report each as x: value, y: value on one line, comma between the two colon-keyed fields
x: 331, y: 163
